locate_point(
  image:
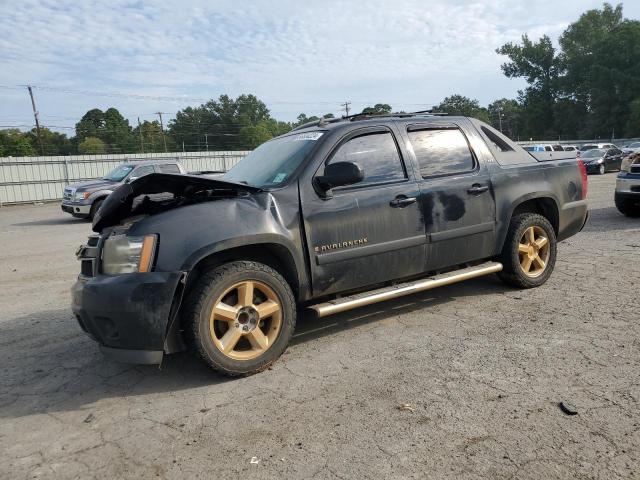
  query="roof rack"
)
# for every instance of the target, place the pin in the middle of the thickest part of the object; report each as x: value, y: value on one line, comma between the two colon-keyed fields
x: 364, y: 116
x: 317, y: 123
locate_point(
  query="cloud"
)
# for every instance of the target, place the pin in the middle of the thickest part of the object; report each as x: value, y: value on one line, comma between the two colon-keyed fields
x: 297, y: 56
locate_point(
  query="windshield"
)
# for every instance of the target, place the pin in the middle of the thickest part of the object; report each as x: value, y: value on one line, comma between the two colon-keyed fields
x: 273, y: 162
x: 118, y: 174
x: 593, y: 153
x: 584, y: 148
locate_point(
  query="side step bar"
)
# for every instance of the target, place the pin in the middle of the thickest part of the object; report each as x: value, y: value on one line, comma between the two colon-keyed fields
x: 387, y: 293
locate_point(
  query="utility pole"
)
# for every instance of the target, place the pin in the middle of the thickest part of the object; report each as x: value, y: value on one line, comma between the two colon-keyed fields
x: 141, y: 140
x: 500, y: 118
x: 36, y: 115
x: 164, y: 140
x: 206, y: 141
x: 346, y: 106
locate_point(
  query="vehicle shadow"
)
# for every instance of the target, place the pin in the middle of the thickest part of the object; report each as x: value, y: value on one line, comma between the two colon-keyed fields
x: 46, y: 371
x: 609, y: 219
x: 52, y: 221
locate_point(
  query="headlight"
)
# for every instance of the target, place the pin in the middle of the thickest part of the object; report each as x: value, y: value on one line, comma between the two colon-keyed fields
x: 124, y: 254
x: 81, y: 195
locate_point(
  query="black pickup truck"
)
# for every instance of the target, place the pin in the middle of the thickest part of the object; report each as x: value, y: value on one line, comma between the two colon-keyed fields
x: 334, y: 215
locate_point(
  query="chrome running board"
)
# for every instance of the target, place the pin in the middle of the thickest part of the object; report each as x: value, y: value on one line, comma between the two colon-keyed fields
x: 360, y: 300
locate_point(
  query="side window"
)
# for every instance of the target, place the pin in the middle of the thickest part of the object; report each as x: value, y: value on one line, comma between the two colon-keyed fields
x: 441, y: 152
x: 547, y: 148
x: 377, y: 155
x: 168, y: 168
x: 558, y: 148
x: 142, y: 171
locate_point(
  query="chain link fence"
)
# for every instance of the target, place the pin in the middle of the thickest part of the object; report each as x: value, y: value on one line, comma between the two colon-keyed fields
x: 41, y: 179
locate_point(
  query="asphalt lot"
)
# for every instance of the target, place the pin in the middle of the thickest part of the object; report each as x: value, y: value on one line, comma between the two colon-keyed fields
x: 480, y: 368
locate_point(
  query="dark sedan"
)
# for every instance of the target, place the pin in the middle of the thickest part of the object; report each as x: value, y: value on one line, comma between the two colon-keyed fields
x: 599, y: 160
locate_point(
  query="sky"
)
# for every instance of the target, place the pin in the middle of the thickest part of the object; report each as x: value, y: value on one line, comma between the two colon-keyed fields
x: 143, y: 57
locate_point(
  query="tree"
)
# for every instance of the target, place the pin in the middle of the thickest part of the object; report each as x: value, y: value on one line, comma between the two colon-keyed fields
x: 53, y: 143
x: 15, y: 143
x: 538, y: 63
x: 90, y: 125
x: 225, y: 124
x: 377, y: 109
x: 505, y: 115
x: 117, y: 132
x: 91, y: 146
x: 464, y: 106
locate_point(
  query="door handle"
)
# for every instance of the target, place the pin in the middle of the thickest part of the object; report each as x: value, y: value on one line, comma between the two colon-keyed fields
x: 477, y: 189
x: 402, y: 201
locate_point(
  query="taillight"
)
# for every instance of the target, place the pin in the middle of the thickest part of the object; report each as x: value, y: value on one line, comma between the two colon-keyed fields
x: 583, y: 175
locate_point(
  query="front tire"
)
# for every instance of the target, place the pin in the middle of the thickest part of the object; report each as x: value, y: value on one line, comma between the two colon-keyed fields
x: 529, y: 252
x: 240, y: 317
x: 95, y: 207
x: 601, y: 169
x: 627, y: 207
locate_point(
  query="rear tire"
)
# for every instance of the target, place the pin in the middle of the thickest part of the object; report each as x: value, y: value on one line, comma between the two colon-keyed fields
x: 240, y: 317
x: 529, y: 252
x: 627, y: 207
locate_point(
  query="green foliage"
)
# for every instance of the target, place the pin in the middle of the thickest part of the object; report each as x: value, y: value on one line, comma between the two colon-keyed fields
x: 225, y: 124
x: 506, y: 115
x: 587, y: 89
x: 377, y: 109
x: 91, y: 146
x: 464, y: 106
x: 14, y: 143
x: 53, y: 143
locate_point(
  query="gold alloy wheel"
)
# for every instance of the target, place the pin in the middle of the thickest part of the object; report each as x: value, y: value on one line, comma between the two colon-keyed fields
x: 533, y: 251
x: 246, y: 320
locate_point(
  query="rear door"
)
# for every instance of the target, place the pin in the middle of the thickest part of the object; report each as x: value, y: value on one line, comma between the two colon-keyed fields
x: 456, y: 196
x: 370, y: 232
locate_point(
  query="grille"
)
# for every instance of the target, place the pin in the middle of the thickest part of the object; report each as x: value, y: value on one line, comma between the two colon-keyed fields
x: 68, y: 193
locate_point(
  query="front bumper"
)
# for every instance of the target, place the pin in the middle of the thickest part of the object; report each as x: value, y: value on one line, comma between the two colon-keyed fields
x: 628, y: 184
x: 592, y: 167
x: 76, y: 208
x: 127, y: 315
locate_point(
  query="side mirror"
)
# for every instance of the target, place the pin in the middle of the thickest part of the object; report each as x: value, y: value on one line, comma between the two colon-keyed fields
x: 131, y: 179
x: 339, y: 174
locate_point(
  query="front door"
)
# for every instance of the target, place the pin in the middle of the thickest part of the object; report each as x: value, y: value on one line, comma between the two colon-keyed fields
x: 370, y: 232
x: 456, y: 197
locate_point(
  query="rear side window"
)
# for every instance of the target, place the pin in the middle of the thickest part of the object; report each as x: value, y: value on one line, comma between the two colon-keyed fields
x: 441, y: 151
x: 168, y: 168
x: 377, y: 155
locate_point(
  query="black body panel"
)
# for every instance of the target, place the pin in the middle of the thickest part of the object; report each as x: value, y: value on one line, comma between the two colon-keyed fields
x: 350, y: 238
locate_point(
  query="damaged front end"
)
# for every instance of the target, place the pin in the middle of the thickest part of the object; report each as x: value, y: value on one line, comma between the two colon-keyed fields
x: 159, y: 192
x: 122, y: 299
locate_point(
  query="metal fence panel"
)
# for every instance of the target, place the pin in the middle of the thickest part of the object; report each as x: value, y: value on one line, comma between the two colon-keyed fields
x: 39, y: 179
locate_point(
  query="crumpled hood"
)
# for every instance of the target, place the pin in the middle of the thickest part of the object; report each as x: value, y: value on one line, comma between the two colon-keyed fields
x: 179, y: 189
x: 93, y: 185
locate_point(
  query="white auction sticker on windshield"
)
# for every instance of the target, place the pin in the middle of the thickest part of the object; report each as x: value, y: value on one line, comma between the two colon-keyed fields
x: 306, y: 136
x: 279, y: 177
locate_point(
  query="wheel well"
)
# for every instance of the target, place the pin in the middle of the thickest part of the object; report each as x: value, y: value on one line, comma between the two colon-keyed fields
x: 270, y: 254
x: 544, y: 206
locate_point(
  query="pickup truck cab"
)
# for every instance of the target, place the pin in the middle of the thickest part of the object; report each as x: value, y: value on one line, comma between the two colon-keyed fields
x: 83, y: 199
x: 334, y: 215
